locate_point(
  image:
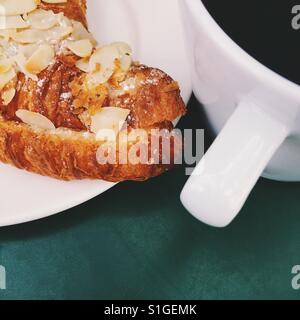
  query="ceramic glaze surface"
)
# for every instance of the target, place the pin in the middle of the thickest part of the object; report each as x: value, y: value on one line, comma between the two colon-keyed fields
x: 224, y: 75
x: 245, y: 102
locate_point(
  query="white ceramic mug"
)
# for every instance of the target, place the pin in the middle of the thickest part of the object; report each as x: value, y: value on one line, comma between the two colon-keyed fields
x: 254, y: 110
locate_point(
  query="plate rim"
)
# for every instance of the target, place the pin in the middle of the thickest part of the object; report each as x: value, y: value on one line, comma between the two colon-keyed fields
x: 43, y: 212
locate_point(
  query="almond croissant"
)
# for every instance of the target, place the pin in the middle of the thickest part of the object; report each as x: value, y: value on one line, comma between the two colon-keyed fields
x: 56, y: 85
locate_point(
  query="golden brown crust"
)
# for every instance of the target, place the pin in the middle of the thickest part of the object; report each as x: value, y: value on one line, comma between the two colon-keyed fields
x: 155, y: 99
x: 45, y: 96
x: 73, y: 9
x: 154, y: 103
x: 68, y: 158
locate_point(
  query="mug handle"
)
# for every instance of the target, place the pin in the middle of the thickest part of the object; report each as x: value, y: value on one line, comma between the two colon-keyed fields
x: 225, y: 176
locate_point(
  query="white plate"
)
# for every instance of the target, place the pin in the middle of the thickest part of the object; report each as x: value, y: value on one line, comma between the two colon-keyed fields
x: 154, y: 29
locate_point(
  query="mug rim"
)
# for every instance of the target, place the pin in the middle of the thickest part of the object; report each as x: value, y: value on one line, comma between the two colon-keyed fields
x: 202, y: 17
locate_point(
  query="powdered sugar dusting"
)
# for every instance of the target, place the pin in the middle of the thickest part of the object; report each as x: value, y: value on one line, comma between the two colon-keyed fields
x: 66, y: 96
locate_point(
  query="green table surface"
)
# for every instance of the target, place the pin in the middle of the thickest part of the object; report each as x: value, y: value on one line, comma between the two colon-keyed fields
x: 136, y: 241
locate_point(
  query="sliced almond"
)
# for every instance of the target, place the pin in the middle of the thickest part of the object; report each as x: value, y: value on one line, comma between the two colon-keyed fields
x: 40, y: 60
x: 100, y: 77
x: 6, y: 77
x: 58, y: 33
x: 8, y: 95
x: 125, y: 63
x: 81, y: 48
x: 102, y: 64
x: 28, y: 49
x: 80, y: 33
x: 109, y: 118
x: 64, y: 21
x: 125, y: 52
x: 30, y: 36
x: 5, y: 65
x: 42, y: 19
x: 105, y: 57
x: 104, y: 61
x: 21, y: 61
x: 35, y: 119
x: 13, y: 22
x: 83, y: 65
x: 123, y: 48
x: 16, y: 7
x: 34, y: 35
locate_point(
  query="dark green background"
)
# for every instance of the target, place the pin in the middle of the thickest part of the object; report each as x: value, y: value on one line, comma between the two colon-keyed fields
x: 136, y: 241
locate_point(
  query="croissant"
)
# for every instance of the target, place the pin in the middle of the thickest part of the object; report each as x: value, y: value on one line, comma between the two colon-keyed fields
x: 59, y: 88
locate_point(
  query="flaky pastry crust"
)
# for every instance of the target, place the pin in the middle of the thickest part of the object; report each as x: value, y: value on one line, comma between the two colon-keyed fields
x: 155, y: 103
